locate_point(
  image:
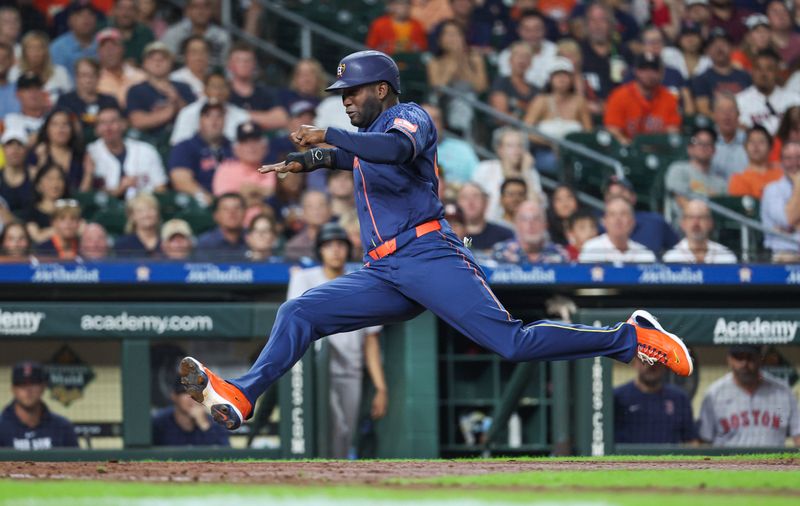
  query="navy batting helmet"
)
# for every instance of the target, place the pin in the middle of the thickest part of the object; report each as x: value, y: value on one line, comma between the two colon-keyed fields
x: 366, y: 67
x: 332, y: 232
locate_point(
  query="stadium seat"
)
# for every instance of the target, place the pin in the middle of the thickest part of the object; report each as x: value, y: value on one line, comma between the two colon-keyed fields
x: 199, y: 219
x: 729, y: 231
x: 585, y: 173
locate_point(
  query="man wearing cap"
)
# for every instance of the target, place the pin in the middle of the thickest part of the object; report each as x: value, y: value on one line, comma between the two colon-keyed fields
x: 349, y: 352
x: 85, y: 102
x: 643, y: 106
x: 8, y: 96
x: 759, y: 36
x: 301, y: 112
x: 722, y: 76
x: 693, y: 176
x: 126, y: 166
x: 33, y: 105
x: 197, y: 20
x: 116, y: 75
x: 27, y: 423
x: 251, y: 96
x: 765, y: 101
x: 192, y: 163
x: 135, y: 35
x: 16, y: 189
x: 176, y: 240
x: 240, y: 174
x: 186, y: 423
x: 698, y: 14
x: 78, y: 42
x: 217, y: 91
x: 748, y: 407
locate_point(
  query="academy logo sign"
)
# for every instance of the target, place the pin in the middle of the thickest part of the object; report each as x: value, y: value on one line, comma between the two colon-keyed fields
x: 20, y: 323
x: 755, y: 331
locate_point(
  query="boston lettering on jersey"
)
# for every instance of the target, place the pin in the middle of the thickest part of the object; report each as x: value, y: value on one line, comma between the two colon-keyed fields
x: 754, y: 417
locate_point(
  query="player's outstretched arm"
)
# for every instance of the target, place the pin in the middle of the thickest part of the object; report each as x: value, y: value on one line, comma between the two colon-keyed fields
x: 309, y: 160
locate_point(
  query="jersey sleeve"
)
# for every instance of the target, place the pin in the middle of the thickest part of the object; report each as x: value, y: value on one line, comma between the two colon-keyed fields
x: 413, y: 122
x: 707, y: 423
x: 794, y: 416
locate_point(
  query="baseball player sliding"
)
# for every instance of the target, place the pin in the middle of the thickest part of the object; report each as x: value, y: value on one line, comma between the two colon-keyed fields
x: 413, y: 260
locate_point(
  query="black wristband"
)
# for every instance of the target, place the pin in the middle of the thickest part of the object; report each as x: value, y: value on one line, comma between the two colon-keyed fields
x: 312, y: 159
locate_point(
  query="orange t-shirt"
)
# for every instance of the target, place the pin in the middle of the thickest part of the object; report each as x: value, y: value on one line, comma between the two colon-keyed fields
x: 752, y: 182
x: 628, y: 110
x: 390, y: 36
x: 777, y: 146
x: 741, y: 60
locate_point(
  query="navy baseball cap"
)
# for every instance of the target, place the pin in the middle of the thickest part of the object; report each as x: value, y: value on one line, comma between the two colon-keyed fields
x: 27, y: 373
x: 29, y: 80
x: 648, y: 61
x: 750, y: 349
x: 247, y: 131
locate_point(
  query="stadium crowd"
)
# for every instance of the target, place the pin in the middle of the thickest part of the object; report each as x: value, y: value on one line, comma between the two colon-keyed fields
x: 126, y: 136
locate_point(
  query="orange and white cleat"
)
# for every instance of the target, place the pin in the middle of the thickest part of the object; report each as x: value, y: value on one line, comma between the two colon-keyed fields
x: 658, y: 345
x: 227, y: 404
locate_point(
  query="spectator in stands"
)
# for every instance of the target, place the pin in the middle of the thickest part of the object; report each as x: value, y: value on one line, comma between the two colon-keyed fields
x: 196, y: 53
x: 256, y: 98
x: 788, y: 131
x: 8, y: 95
x: 176, y: 240
x: 85, y: 102
x: 66, y: 222
x: 308, y: 83
x: 78, y: 42
x: 240, y: 173
x: 512, y: 94
x: 643, y: 106
x: 141, y: 237
x: 784, y: 37
x: 582, y: 226
x: 94, y: 243
x: 649, y: 410
x: 722, y: 76
x: 456, y: 158
x: 764, y: 102
x: 397, y: 31
x: 473, y: 22
x: 532, y: 30
x: 513, y: 160
x: 135, y: 35
x: 154, y: 104
x: 604, y: 61
x: 124, y: 166
x: 286, y: 203
x: 349, y: 222
x: 227, y: 238
x: 653, y: 43
x: 626, y: 27
x: 729, y: 153
x: 261, y: 238
x: 758, y: 38
x: 340, y: 189
x: 651, y: 230
x: 780, y: 207
x: 747, y: 407
x: 49, y: 185
x: 459, y: 67
x: 691, y: 45
x: 197, y: 21
x: 563, y: 204
x: 300, y: 113
x: 557, y: 112
x: 27, y: 423
x: 33, y: 106
x: 696, y: 248
x: 35, y: 57
x: 571, y: 50
x: 16, y: 189
x: 316, y: 213
x: 192, y: 163
x: 151, y: 17
x: 15, y: 243
x: 531, y: 242
x: 473, y: 201
x: 10, y: 27
x: 217, y: 91
x: 186, y: 423
x: 117, y: 76
x: 760, y: 171
x: 513, y: 192
x: 730, y: 17
x: 59, y: 142
x: 431, y: 12
x: 615, y: 245
x: 694, y: 176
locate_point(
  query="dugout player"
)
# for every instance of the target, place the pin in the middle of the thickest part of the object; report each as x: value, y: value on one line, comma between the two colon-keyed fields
x: 413, y: 260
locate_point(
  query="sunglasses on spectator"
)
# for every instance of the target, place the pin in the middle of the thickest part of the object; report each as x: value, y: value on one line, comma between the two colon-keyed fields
x: 62, y: 203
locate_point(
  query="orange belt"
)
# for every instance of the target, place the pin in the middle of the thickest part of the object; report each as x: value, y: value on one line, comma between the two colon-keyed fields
x: 404, y: 238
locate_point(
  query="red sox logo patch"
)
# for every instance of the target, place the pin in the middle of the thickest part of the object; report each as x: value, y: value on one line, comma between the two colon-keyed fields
x: 340, y: 70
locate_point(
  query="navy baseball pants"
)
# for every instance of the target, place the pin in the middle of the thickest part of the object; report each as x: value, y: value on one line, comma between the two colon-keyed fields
x: 434, y: 271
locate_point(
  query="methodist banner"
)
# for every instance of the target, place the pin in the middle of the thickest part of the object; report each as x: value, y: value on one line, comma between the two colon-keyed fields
x: 125, y: 320
x: 714, y: 326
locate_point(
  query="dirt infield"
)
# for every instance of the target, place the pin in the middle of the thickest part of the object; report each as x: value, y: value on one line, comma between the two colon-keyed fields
x: 343, y: 472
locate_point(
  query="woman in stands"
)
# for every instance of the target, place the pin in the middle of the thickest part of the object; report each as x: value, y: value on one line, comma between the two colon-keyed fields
x: 563, y: 204
x: 261, y: 238
x: 49, y: 185
x: 142, y: 237
x: 60, y: 143
x: 35, y: 57
x: 512, y: 94
x: 15, y: 243
x: 308, y: 83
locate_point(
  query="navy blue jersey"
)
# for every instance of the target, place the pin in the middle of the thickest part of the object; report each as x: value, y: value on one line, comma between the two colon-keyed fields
x: 200, y: 157
x: 394, y: 198
x: 664, y: 417
x: 53, y: 431
x: 167, y: 433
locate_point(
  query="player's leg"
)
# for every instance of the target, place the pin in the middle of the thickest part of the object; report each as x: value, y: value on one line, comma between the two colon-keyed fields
x: 357, y: 300
x: 345, y: 400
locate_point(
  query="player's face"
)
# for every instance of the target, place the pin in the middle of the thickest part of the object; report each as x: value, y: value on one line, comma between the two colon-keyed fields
x: 28, y: 397
x: 333, y: 254
x: 650, y: 375
x: 745, y: 367
x: 361, y: 104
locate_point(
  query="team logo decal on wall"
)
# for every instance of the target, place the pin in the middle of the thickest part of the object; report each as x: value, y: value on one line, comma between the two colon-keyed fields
x: 67, y: 376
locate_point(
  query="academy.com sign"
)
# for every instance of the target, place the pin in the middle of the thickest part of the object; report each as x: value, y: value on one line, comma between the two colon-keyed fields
x: 20, y: 323
x: 124, y: 322
x: 755, y: 331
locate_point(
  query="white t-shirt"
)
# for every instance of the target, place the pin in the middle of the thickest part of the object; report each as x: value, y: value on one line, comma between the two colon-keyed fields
x: 716, y: 254
x: 489, y: 175
x: 18, y: 122
x: 601, y: 249
x: 729, y: 416
x: 753, y: 109
x: 141, y: 161
x: 188, y: 121
x: 184, y: 75
x: 537, y: 72
x: 346, y: 348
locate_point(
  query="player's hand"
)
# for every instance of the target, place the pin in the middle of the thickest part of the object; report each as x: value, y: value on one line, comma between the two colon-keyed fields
x: 379, y: 403
x: 281, y: 168
x: 308, y: 135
